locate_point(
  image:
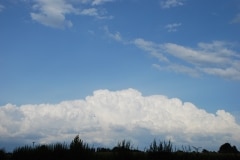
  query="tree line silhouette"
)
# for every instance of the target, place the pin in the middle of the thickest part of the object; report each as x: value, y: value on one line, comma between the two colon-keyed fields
x: 124, y: 150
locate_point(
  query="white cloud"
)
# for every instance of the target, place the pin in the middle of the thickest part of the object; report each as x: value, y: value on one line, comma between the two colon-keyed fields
x: 216, y: 58
x: 53, y: 13
x: 109, y: 116
x: 236, y: 19
x: 1, y: 7
x: 90, y: 12
x: 116, y: 36
x: 151, y: 47
x: 95, y: 13
x: 171, y: 3
x: 233, y: 73
x: 98, y: 2
x: 172, y: 27
x: 178, y: 69
x: 201, y: 56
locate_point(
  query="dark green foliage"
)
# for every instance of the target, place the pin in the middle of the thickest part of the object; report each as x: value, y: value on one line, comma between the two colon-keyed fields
x: 123, y: 146
x: 43, y: 152
x: 59, y: 151
x: 2, y: 154
x: 79, y: 149
x: 227, y: 148
x: 164, y: 146
x: 101, y: 149
x: 124, y: 150
x: 161, y: 150
x: 205, y: 151
x: 26, y: 152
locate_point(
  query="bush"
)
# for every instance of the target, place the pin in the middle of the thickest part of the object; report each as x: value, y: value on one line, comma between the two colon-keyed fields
x: 227, y: 148
x: 2, y: 154
x: 161, y: 150
x: 161, y: 147
x: 122, y: 151
x: 79, y: 149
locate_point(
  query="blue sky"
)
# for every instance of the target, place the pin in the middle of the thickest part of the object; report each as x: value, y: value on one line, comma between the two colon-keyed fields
x: 66, y: 50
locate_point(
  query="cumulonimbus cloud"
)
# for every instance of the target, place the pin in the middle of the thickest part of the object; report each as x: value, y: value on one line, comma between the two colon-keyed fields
x: 110, y: 116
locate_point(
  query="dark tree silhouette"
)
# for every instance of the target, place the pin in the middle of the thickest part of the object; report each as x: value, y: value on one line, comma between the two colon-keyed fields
x: 2, y: 153
x: 227, y: 148
x: 205, y: 151
x: 79, y: 149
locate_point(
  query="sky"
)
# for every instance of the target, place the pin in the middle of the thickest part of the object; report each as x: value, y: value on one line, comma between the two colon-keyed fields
x: 110, y: 70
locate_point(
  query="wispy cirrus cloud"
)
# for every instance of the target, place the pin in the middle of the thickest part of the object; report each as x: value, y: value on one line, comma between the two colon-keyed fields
x: 53, y: 13
x: 173, y: 27
x: 109, y: 116
x: 94, y: 12
x: 236, y: 19
x: 152, y: 48
x: 1, y: 7
x: 171, y: 3
x: 116, y: 36
x: 216, y: 58
x: 178, y: 68
x: 90, y: 12
x: 98, y: 2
